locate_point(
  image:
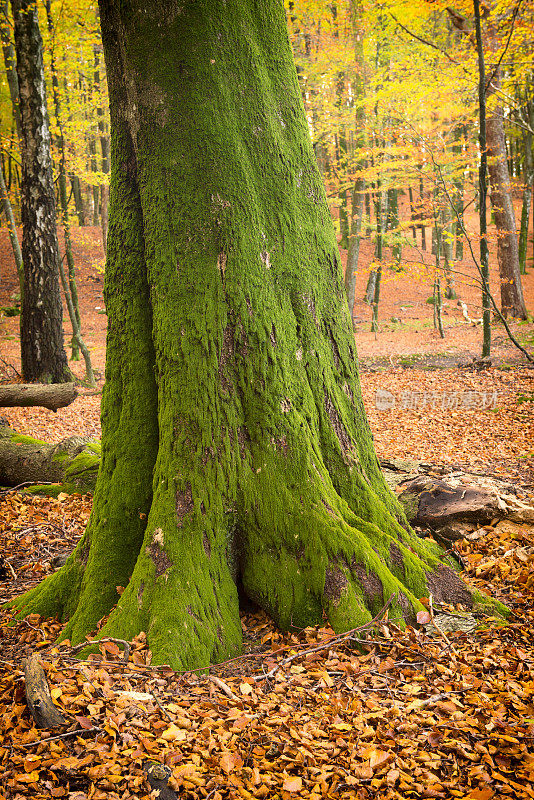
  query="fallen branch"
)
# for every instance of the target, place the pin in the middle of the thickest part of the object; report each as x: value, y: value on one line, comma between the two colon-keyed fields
x: 42, y: 709
x: 77, y: 648
x: 67, y: 735
x: 51, y: 396
x: 224, y: 688
x: 72, y: 462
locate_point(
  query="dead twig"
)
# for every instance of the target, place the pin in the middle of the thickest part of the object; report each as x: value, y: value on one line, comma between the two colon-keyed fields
x: 22, y: 485
x: 435, y: 624
x: 224, y: 688
x: 328, y: 643
x: 77, y: 732
x: 127, y: 646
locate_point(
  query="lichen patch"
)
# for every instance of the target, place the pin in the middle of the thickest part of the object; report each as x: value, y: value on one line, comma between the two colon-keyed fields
x: 140, y: 593
x: 339, y: 428
x: 160, y: 559
x: 370, y: 583
x: 446, y: 587
x: 221, y: 263
x: 396, y: 558
x: 334, y: 584
x: 183, y: 504
x: 226, y: 356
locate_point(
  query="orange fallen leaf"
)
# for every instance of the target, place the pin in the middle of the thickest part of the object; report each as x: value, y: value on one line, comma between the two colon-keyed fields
x: 292, y: 784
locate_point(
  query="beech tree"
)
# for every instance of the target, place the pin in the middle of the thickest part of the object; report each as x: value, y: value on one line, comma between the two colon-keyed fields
x: 236, y: 451
x: 43, y: 354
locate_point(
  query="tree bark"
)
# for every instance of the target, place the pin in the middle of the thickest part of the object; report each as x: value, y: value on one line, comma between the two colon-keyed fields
x: 53, y: 396
x: 235, y: 444
x: 512, y: 301
x: 528, y: 185
x: 42, y: 351
x: 78, y: 199
x: 73, y: 463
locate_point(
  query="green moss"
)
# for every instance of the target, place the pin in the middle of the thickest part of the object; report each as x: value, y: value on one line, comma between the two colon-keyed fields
x: 410, y: 503
x: 490, y: 606
x: 45, y: 490
x: 18, y: 438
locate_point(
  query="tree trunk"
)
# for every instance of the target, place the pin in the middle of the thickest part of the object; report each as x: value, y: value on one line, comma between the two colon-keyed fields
x: 72, y: 463
x: 104, y: 149
x: 512, y: 302
x: 423, y: 212
x: 235, y: 443
x: 358, y: 192
x: 458, y: 194
x: 528, y: 185
x: 10, y: 62
x: 53, y: 396
x: 447, y: 245
x: 12, y: 228
x: 393, y: 223
x: 42, y: 352
x: 412, y: 215
x: 78, y: 199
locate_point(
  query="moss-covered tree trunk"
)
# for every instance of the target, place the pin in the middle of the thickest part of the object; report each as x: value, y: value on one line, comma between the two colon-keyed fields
x: 236, y: 449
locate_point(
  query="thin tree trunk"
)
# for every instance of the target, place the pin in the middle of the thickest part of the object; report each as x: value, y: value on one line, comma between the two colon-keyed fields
x: 104, y: 149
x: 369, y: 228
x: 10, y: 61
x: 412, y: 214
x: 78, y: 199
x: 422, y: 203
x: 528, y: 187
x: 483, y: 187
x: 353, y: 253
x: 458, y: 195
x: 12, y: 228
x: 62, y: 184
x: 393, y: 223
x: 512, y: 301
x: 358, y: 193
x: 447, y: 244
x: 95, y: 189
x: 69, y: 287
x: 42, y: 352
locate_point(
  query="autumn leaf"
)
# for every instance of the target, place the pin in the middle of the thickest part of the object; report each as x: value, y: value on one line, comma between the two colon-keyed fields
x: 84, y: 722
x: 292, y: 784
x: 423, y: 617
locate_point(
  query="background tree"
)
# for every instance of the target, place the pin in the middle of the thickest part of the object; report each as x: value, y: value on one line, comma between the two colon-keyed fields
x: 43, y: 355
x: 235, y: 445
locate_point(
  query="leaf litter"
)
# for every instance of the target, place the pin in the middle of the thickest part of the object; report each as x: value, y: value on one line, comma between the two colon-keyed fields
x: 384, y: 713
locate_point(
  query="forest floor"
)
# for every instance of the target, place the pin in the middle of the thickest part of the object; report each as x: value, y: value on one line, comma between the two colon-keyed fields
x: 401, y: 714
